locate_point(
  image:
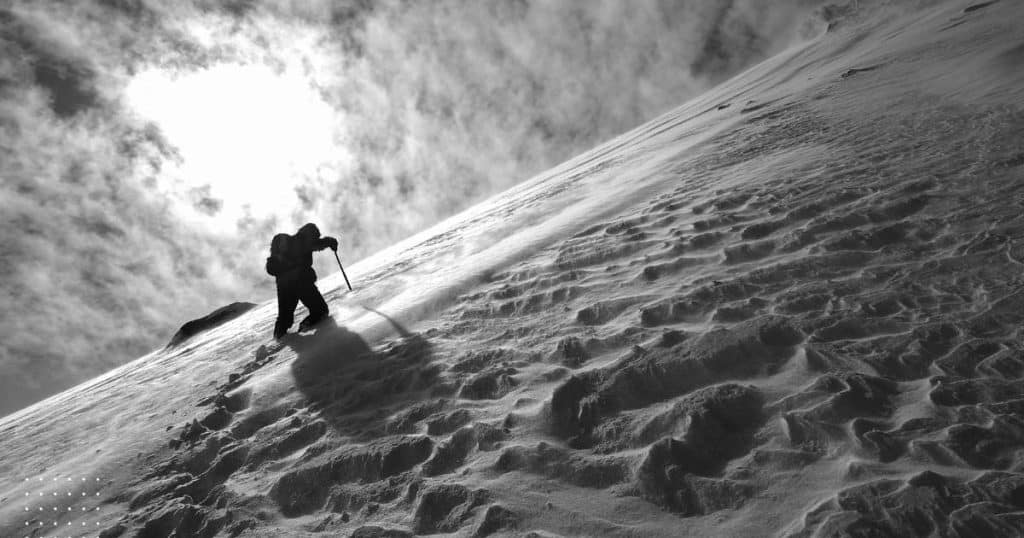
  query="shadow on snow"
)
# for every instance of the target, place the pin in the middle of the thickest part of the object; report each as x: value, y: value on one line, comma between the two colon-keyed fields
x: 354, y: 386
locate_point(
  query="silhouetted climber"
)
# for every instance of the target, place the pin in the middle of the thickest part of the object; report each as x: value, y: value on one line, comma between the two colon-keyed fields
x: 291, y: 263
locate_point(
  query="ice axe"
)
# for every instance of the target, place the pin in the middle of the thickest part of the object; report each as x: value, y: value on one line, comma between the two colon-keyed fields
x: 342, y: 270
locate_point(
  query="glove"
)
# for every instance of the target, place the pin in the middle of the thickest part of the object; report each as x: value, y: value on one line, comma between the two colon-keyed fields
x: 332, y: 243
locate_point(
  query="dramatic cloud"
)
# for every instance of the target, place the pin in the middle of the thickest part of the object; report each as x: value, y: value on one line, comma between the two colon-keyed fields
x: 145, y: 147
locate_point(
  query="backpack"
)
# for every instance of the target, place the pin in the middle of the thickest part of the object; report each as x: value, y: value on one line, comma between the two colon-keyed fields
x: 281, y: 246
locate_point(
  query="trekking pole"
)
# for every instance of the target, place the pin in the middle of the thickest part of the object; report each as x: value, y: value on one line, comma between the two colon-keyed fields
x: 342, y: 270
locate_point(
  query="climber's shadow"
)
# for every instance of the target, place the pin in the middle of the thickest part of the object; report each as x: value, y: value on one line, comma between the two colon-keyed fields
x: 323, y: 357
x: 341, y: 376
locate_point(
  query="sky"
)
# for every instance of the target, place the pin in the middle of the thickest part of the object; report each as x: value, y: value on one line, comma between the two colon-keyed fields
x: 149, y: 150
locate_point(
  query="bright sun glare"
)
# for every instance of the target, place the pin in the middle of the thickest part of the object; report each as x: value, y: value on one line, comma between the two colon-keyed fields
x: 244, y: 130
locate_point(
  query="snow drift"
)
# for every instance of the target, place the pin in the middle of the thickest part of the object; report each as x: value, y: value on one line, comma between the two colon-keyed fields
x: 789, y: 307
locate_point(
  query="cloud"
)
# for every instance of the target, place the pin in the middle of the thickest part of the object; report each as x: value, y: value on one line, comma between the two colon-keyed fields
x: 450, y: 102
x: 110, y: 232
x: 96, y: 266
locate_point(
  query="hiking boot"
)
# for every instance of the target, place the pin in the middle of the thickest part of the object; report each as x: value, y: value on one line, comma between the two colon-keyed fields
x: 310, y: 322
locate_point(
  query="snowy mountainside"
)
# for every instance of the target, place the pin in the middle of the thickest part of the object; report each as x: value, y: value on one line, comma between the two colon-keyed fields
x: 789, y: 307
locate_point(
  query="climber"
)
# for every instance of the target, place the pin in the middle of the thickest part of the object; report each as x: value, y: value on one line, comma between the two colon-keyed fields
x: 291, y: 263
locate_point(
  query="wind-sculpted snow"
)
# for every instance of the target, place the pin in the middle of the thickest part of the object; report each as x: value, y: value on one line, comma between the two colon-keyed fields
x: 796, y: 315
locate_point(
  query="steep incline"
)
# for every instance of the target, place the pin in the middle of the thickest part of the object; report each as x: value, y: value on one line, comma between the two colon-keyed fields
x: 790, y: 307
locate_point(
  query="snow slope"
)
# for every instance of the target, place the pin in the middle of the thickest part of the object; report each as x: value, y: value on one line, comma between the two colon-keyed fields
x: 791, y: 307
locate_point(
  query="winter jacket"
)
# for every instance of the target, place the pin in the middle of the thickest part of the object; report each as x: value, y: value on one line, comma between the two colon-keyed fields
x: 295, y: 265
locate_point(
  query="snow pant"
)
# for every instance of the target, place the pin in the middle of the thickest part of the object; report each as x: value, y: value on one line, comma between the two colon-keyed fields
x: 288, y: 297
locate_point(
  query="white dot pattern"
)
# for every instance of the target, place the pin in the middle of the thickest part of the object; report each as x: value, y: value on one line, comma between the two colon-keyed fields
x: 78, y: 491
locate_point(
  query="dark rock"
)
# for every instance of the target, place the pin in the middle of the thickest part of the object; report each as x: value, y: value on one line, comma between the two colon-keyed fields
x: 220, y: 316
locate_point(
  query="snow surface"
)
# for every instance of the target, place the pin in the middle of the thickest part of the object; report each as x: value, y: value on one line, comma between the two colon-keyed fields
x: 791, y: 306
